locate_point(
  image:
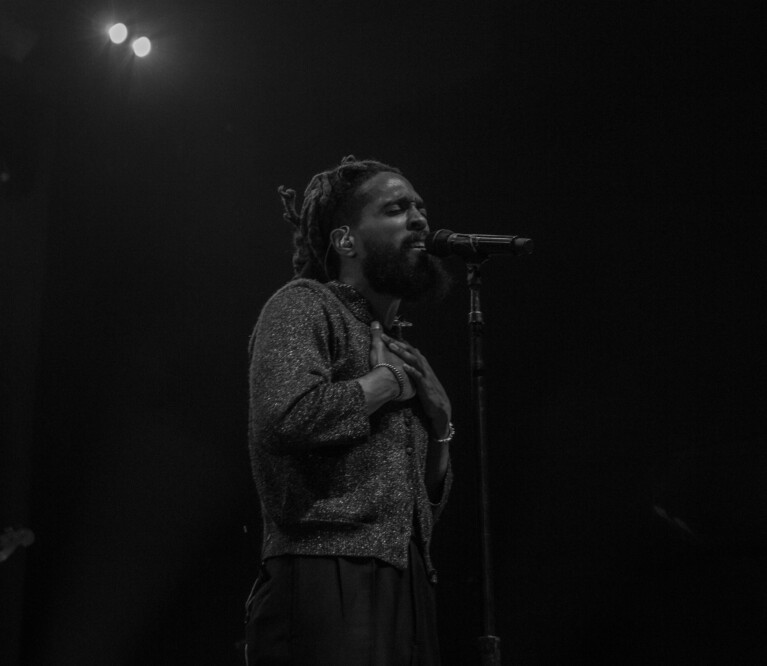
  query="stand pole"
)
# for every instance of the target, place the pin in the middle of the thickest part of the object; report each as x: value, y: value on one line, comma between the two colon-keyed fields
x: 489, y: 643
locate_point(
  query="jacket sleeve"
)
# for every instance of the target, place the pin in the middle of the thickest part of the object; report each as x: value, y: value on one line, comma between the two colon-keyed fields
x: 294, y: 403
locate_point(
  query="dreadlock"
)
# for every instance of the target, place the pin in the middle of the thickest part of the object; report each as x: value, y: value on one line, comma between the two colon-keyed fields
x: 327, y: 204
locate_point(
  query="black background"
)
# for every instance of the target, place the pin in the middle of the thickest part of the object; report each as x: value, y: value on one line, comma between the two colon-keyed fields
x: 141, y: 233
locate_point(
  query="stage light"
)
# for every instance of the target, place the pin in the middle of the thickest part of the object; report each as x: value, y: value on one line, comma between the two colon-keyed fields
x: 142, y: 46
x: 118, y: 33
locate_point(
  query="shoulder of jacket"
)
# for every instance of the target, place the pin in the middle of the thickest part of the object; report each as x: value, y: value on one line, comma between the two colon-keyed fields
x: 304, y: 284
x: 301, y: 293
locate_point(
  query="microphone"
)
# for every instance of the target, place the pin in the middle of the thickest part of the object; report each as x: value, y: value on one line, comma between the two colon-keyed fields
x: 444, y: 242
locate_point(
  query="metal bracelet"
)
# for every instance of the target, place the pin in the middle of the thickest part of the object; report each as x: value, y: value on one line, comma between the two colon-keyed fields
x: 450, y: 435
x: 397, y: 375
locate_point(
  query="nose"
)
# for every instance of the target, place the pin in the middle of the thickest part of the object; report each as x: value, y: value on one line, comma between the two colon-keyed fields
x: 417, y: 220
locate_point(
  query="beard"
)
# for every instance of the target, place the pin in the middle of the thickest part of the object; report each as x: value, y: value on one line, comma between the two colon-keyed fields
x: 402, y: 273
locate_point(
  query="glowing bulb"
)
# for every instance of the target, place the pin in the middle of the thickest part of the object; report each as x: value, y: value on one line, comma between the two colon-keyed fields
x: 118, y: 33
x: 142, y: 46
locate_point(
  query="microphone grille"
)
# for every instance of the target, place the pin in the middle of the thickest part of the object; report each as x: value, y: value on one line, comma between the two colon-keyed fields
x: 437, y: 243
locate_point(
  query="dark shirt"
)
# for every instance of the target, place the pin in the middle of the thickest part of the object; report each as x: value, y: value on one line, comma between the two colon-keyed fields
x: 331, y: 479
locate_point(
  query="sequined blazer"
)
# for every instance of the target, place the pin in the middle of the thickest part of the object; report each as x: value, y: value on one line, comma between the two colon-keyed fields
x: 331, y: 479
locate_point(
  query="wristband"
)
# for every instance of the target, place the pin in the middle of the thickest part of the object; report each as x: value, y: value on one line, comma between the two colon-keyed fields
x: 397, y: 375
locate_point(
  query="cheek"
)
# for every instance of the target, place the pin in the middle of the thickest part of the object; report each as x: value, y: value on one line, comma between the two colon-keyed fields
x: 381, y: 238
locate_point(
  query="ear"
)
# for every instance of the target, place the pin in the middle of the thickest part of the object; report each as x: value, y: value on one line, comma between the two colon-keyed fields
x: 342, y: 242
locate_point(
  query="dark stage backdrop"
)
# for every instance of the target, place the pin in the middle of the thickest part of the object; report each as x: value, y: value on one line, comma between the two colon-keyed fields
x: 141, y: 233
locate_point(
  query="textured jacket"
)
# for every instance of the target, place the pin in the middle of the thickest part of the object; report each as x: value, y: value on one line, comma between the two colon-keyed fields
x: 331, y: 479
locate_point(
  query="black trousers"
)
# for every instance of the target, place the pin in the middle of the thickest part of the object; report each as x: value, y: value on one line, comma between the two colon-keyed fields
x: 341, y: 611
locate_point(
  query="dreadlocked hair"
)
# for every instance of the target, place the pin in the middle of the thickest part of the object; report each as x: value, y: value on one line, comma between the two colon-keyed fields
x: 327, y: 204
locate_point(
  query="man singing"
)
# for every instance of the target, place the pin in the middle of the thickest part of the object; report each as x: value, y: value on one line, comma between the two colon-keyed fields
x: 349, y: 432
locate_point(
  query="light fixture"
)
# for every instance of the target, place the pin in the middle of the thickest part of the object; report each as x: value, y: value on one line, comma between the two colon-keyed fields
x: 118, y: 33
x: 141, y: 46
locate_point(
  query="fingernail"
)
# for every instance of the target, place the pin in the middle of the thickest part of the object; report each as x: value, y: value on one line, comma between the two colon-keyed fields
x: 375, y: 325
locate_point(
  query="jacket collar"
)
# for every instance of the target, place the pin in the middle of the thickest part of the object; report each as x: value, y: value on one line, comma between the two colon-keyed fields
x: 355, y: 302
x: 360, y: 307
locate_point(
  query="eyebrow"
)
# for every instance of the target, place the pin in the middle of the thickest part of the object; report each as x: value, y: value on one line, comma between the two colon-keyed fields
x: 418, y: 201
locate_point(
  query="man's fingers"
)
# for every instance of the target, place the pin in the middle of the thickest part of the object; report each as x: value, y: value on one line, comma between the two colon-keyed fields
x: 376, y: 343
x: 409, y: 355
x: 401, y: 347
x: 412, y: 371
x: 398, y: 348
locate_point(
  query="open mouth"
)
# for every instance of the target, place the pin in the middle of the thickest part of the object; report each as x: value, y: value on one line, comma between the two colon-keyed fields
x: 417, y: 245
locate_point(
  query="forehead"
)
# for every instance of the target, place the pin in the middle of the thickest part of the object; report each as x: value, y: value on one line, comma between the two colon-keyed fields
x: 387, y: 186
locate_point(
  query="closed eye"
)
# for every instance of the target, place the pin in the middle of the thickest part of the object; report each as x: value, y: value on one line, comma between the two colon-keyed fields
x: 398, y: 207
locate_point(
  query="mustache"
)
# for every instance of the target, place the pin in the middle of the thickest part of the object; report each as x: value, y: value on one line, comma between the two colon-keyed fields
x: 415, y: 237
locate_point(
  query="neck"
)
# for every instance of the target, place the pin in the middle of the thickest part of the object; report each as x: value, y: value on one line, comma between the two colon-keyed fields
x: 384, y: 306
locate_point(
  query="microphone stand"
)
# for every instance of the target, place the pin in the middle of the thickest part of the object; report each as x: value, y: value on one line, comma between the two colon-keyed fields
x: 489, y: 643
x: 475, y: 249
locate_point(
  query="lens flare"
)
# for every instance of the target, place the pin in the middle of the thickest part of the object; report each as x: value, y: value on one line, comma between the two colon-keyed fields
x: 142, y: 46
x: 118, y: 33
